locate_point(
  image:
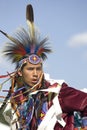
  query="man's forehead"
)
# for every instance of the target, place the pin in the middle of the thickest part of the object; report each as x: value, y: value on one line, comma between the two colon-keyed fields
x: 33, y: 65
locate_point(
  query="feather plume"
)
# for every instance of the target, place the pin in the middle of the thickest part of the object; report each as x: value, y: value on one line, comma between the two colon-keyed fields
x: 30, y: 21
x: 29, y: 13
x: 10, y: 37
x: 25, y: 43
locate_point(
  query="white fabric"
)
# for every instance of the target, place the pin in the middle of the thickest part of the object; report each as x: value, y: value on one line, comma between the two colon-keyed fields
x: 54, y: 114
x: 49, y: 117
x: 58, y: 111
x: 53, y: 89
x: 4, y: 127
x: 7, y: 118
x: 10, y: 118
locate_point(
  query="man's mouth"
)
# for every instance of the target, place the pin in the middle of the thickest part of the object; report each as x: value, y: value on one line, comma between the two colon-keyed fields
x: 34, y: 81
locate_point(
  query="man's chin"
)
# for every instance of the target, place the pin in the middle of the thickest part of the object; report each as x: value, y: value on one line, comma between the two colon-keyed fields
x: 33, y: 83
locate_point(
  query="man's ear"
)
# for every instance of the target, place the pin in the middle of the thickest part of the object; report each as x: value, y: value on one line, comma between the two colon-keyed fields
x: 19, y: 73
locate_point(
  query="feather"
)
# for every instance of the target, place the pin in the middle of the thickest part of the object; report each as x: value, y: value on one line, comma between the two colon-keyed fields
x: 29, y: 13
x: 10, y: 37
x: 30, y: 21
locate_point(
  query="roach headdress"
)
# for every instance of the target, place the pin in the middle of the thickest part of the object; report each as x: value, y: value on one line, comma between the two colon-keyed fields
x: 27, y: 43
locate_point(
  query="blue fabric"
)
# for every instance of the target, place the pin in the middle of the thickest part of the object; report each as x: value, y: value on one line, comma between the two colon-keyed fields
x: 26, y: 112
x: 84, y: 121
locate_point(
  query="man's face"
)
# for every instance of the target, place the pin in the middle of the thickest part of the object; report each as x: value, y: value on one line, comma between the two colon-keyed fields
x: 31, y: 73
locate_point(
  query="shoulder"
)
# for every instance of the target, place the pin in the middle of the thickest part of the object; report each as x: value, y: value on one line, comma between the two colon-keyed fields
x: 52, y: 81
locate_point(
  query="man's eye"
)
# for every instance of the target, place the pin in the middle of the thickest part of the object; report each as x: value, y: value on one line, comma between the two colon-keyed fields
x: 39, y: 68
x: 30, y: 69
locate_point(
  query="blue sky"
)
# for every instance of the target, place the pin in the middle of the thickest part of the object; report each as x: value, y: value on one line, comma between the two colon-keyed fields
x: 65, y: 22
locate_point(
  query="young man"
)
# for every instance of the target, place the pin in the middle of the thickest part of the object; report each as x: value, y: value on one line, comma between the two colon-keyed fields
x: 32, y: 103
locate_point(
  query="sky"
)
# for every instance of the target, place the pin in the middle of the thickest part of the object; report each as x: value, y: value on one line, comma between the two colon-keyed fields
x: 65, y: 23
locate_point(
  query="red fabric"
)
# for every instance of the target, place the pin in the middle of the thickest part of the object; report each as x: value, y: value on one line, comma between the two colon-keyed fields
x: 71, y: 100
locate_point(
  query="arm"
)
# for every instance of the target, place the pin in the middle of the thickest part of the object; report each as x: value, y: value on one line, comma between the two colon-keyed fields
x: 73, y: 100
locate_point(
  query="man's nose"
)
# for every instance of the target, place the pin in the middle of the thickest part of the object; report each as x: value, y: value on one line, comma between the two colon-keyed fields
x: 35, y: 72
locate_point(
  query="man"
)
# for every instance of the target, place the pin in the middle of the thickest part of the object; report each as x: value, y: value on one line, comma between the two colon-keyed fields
x: 32, y: 103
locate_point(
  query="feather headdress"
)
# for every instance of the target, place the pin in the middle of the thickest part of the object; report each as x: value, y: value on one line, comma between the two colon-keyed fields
x: 27, y: 43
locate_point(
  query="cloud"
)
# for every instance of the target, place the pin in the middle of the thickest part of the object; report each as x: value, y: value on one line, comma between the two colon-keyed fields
x: 78, y: 40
